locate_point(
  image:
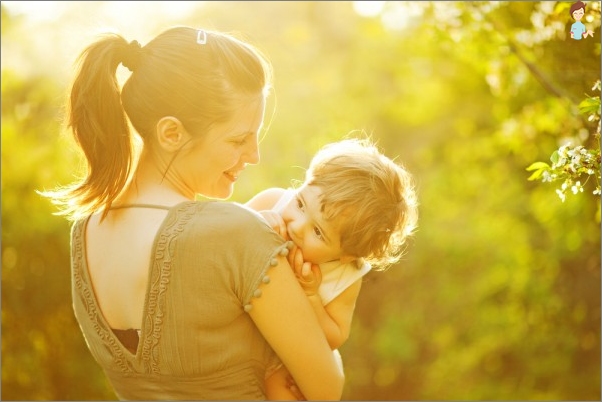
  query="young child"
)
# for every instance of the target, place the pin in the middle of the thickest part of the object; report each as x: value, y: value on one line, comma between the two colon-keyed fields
x: 352, y: 213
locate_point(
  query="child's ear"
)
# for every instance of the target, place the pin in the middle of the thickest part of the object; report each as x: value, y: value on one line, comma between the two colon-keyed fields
x: 171, y: 134
x: 348, y: 258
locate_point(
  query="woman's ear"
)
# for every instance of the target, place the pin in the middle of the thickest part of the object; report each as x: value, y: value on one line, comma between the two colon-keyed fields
x: 171, y: 134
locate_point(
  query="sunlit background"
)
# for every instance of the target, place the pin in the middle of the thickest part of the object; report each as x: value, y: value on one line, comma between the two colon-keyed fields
x: 498, y: 296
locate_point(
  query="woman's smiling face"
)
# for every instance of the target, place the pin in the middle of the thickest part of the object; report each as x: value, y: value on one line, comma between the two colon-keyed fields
x: 211, y: 165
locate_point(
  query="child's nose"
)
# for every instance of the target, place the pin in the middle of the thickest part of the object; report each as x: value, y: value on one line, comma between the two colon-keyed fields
x: 296, y: 225
x: 289, y: 212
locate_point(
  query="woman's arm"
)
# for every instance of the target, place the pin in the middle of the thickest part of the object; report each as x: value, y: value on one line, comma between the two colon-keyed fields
x: 286, y: 319
x: 277, y: 387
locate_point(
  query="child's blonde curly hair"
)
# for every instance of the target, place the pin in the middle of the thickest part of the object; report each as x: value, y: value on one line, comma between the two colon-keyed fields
x: 374, y: 195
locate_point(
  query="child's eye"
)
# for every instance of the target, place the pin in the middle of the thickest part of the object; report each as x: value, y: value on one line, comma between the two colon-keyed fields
x: 299, y: 203
x: 318, y: 233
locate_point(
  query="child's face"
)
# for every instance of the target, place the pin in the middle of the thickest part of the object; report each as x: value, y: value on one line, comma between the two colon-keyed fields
x: 578, y: 14
x: 318, y: 239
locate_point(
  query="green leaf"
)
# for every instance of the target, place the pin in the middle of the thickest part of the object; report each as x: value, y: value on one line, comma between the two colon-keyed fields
x: 538, y: 165
x: 536, y: 175
x: 554, y: 157
x: 539, y: 168
x: 590, y: 105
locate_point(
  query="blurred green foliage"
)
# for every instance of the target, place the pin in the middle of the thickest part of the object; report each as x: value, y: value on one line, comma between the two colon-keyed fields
x: 498, y: 296
x: 570, y: 164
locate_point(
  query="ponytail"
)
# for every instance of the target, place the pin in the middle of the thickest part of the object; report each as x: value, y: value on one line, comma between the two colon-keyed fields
x: 100, y: 127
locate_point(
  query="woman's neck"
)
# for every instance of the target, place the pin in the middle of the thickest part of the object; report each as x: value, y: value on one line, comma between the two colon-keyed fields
x: 150, y: 185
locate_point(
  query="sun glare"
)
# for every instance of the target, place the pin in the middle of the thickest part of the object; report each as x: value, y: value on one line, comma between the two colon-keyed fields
x: 37, y: 10
x: 368, y: 8
x: 133, y: 19
x: 122, y: 11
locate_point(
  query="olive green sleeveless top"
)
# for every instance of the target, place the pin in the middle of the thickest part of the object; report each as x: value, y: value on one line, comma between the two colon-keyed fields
x: 196, y: 341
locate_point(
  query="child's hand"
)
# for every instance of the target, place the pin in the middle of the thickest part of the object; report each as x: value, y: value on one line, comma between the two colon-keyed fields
x: 276, y: 222
x: 309, y: 275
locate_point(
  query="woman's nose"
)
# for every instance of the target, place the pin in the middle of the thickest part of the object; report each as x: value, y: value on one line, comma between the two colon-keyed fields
x: 252, y: 153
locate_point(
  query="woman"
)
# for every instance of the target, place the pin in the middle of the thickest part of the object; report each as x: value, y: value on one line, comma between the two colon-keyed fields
x: 178, y: 298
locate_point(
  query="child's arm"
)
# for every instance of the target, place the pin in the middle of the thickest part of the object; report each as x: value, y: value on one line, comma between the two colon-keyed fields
x: 263, y: 202
x: 334, y: 318
x: 266, y: 199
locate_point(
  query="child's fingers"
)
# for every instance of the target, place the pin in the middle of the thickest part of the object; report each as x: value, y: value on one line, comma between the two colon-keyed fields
x: 282, y: 230
x: 299, y: 262
x: 295, y: 259
x: 316, y: 272
x: 306, y: 270
x: 291, y: 256
x: 311, y: 273
x: 279, y: 226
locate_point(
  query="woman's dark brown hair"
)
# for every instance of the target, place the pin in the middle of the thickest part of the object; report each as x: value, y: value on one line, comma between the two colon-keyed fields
x: 200, y: 77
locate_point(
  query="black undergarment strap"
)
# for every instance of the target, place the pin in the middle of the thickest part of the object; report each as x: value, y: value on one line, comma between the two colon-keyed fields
x: 128, y: 337
x: 141, y: 206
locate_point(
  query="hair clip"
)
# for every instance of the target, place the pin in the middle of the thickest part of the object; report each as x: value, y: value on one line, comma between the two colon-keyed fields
x: 201, y: 37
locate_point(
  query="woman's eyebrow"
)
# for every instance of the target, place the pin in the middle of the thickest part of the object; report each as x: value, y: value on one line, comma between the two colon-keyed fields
x: 242, y: 135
